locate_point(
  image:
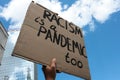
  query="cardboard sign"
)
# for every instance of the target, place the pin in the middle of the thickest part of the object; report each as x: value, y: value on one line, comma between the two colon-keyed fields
x: 45, y: 35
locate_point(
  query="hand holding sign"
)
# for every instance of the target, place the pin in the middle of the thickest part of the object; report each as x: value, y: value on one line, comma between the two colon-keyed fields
x: 50, y: 70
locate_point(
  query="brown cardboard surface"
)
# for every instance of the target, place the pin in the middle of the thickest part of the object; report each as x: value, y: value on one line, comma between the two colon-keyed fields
x: 44, y: 35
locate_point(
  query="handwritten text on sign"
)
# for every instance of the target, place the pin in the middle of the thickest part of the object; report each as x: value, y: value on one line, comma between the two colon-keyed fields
x: 60, y: 39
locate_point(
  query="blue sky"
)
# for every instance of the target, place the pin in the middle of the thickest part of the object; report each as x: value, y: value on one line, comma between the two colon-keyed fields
x: 101, y: 34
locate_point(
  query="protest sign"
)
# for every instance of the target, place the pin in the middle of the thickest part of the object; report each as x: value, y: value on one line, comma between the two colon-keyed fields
x: 45, y: 35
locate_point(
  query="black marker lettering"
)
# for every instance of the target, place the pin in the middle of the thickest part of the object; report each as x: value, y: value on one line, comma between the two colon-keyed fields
x: 56, y: 38
x: 53, y: 27
x: 66, y: 58
x: 72, y: 29
x: 40, y: 21
x: 36, y: 19
x: 66, y: 25
x: 76, y: 46
x: 82, y: 51
x: 78, y: 31
x: 41, y: 29
x: 69, y: 44
x: 80, y: 65
x: 59, y: 20
x: 54, y: 18
x: 73, y: 61
x: 47, y: 15
x: 63, y: 41
x: 49, y: 35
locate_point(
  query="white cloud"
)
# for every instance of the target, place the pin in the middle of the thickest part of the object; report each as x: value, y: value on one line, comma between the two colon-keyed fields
x: 15, y: 10
x: 65, y: 7
x: 102, y: 9
x: 53, y: 5
x: 81, y: 12
x: 13, y: 36
x: 92, y: 26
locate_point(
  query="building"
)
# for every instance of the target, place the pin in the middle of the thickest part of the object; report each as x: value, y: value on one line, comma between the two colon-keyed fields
x: 14, y: 68
x: 3, y: 40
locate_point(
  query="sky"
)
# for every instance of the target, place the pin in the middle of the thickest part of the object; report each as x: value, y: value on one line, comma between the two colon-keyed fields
x: 99, y: 21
